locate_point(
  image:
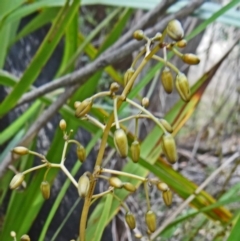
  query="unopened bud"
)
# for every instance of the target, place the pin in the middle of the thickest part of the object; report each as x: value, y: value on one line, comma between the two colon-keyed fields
x: 114, y: 87
x: 128, y: 75
x: 121, y: 142
x: 83, y: 185
x: 129, y: 187
x: 135, y: 151
x: 13, y: 234
x: 175, y: 30
x: 130, y: 219
x: 45, y: 189
x: 150, y: 219
x: 25, y: 237
x: 167, y: 80
x: 84, y: 108
x: 63, y: 125
x: 162, y: 186
x: 182, y: 43
x: 81, y: 153
x: 76, y: 104
x: 167, y: 197
x: 145, y: 102
x: 138, y: 35
x: 166, y: 125
x: 115, y: 182
x: 157, y: 37
x: 191, y: 59
x: 20, y: 150
x: 138, y: 235
x: 169, y: 148
x: 16, y: 181
x: 182, y: 86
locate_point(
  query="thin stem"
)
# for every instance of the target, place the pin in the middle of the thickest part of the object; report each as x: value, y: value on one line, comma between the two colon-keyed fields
x: 37, y: 154
x: 138, y: 57
x: 132, y: 117
x: 123, y: 174
x: 164, y: 55
x: 115, y: 112
x: 74, y: 141
x: 45, y: 175
x: 35, y: 168
x: 171, y: 66
x: 95, y: 122
x: 101, y: 94
x: 68, y: 174
x: 136, y: 129
x: 147, y: 196
x: 103, y: 193
x: 122, y: 203
x: 175, y: 51
x: 64, y: 152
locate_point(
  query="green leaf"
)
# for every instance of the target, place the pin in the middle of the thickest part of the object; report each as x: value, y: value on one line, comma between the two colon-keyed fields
x: 234, y: 235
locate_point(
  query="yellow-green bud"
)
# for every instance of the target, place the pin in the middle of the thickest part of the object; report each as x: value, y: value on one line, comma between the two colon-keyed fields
x: 16, y: 181
x: 157, y: 37
x: 84, y: 108
x: 191, y: 59
x: 175, y: 30
x: 182, y: 86
x: 45, y: 189
x: 167, y: 197
x: 114, y: 87
x: 169, y: 148
x: 167, y: 80
x: 135, y: 151
x: 130, y: 219
x: 166, y: 125
x: 182, y: 43
x: 138, y: 235
x: 63, y: 125
x: 162, y: 186
x: 138, y: 35
x: 20, y: 150
x: 83, y: 185
x: 115, y: 182
x: 121, y: 142
x: 128, y: 75
x: 25, y: 237
x: 150, y: 219
x: 145, y: 102
x: 129, y: 187
x: 81, y: 153
x: 76, y: 104
x: 13, y: 234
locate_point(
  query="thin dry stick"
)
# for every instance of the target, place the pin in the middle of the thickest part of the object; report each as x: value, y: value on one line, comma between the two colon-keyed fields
x: 197, y: 191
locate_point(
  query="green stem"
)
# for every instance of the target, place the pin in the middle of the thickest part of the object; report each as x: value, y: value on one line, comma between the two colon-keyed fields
x: 147, y: 196
x: 101, y: 94
x: 122, y: 203
x: 64, y: 152
x: 35, y: 168
x: 171, y: 66
x: 115, y: 112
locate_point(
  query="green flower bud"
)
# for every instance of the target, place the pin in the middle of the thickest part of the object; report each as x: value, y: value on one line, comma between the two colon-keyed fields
x: 129, y: 187
x: 83, y: 185
x: 150, y: 219
x: 121, y: 142
x: 114, y: 87
x: 145, y: 102
x: 138, y: 35
x: 83, y: 108
x: 167, y: 80
x: 63, y: 125
x: 135, y: 151
x: 167, y: 197
x: 20, y: 150
x: 130, y: 219
x: 16, y: 181
x: 166, y: 125
x: 182, y: 43
x: 115, y: 182
x: 81, y: 153
x: 25, y: 237
x: 128, y: 75
x: 191, y: 59
x: 76, y: 104
x: 182, y: 86
x: 175, y: 30
x: 45, y: 189
x: 169, y: 148
x: 162, y: 186
x: 13, y: 234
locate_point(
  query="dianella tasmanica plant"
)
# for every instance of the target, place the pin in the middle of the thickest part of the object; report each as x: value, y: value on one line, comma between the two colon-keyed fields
x: 85, y: 185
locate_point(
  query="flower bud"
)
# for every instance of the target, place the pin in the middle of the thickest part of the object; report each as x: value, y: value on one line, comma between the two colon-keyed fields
x: 135, y: 151
x: 162, y: 186
x: 115, y: 182
x: 145, y: 102
x: 130, y: 219
x: 16, y: 181
x: 63, y: 125
x: 76, y: 104
x: 45, y: 189
x: 114, y: 87
x: 150, y: 219
x: 169, y: 148
x: 83, y: 185
x: 138, y: 235
x: 129, y: 187
x: 166, y: 125
x: 20, y: 150
x: 167, y: 80
x: 182, y: 86
x: 157, y: 37
x: 13, y: 234
x: 121, y: 142
x: 191, y: 59
x: 84, y: 108
x: 81, y: 153
x: 138, y: 35
x: 167, y: 197
x: 25, y: 237
x: 175, y: 30
x: 182, y: 43
x: 128, y: 75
